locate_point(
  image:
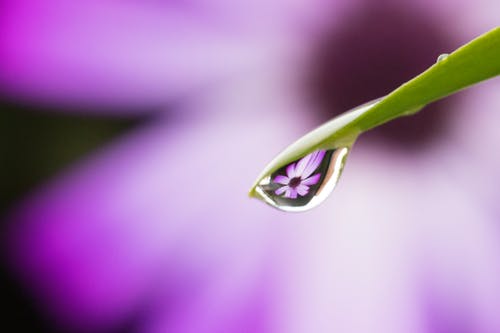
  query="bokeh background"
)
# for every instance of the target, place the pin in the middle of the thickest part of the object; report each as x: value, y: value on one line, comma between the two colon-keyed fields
x: 131, y: 130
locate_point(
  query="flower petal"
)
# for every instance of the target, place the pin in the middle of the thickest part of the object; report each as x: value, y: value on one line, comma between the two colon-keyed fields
x: 115, y: 54
x: 280, y: 179
x: 291, y: 193
x: 302, y: 189
x: 314, y: 163
x: 98, y: 240
x: 290, y: 170
x: 313, y: 180
x: 281, y: 190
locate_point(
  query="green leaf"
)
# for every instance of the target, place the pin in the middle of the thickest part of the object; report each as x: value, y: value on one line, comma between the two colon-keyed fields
x: 474, y: 62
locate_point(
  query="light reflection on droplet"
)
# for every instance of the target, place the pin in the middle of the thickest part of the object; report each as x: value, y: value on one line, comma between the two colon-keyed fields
x: 442, y: 57
x: 304, y: 183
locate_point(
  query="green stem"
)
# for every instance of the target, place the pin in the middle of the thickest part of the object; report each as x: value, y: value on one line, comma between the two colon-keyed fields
x: 474, y: 62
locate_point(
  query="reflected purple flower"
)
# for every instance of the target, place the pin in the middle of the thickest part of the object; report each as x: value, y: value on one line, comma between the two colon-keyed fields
x: 298, y: 177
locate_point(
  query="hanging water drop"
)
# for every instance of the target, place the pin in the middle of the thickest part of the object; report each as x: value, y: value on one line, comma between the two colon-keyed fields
x: 304, y: 183
x: 442, y: 57
x: 302, y: 176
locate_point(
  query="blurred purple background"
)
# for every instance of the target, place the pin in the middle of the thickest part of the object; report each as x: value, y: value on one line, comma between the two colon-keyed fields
x: 132, y: 130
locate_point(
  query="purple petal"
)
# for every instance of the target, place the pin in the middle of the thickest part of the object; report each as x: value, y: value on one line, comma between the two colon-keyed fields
x: 291, y: 193
x: 303, y: 162
x: 314, y: 163
x: 281, y: 180
x: 302, y: 189
x: 312, y: 180
x: 290, y: 171
x: 94, y: 244
x: 112, y: 53
x: 281, y: 190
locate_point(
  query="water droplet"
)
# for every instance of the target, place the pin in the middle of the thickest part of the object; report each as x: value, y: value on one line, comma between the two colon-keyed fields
x: 442, y: 57
x: 303, y: 183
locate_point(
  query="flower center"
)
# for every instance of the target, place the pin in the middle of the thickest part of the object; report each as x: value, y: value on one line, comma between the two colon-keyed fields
x: 294, y: 182
x: 376, y: 49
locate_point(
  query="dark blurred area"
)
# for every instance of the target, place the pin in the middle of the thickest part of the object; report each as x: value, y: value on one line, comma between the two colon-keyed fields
x: 35, y: 144
x: 371, y: 53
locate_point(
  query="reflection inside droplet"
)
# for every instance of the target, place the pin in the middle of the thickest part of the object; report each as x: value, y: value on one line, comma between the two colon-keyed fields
x: 304, y: 183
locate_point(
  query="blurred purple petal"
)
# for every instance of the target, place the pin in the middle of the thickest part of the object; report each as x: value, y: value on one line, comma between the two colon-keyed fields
x: 105, y: 237
x: 113, y: 53
x: 281, y: 17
